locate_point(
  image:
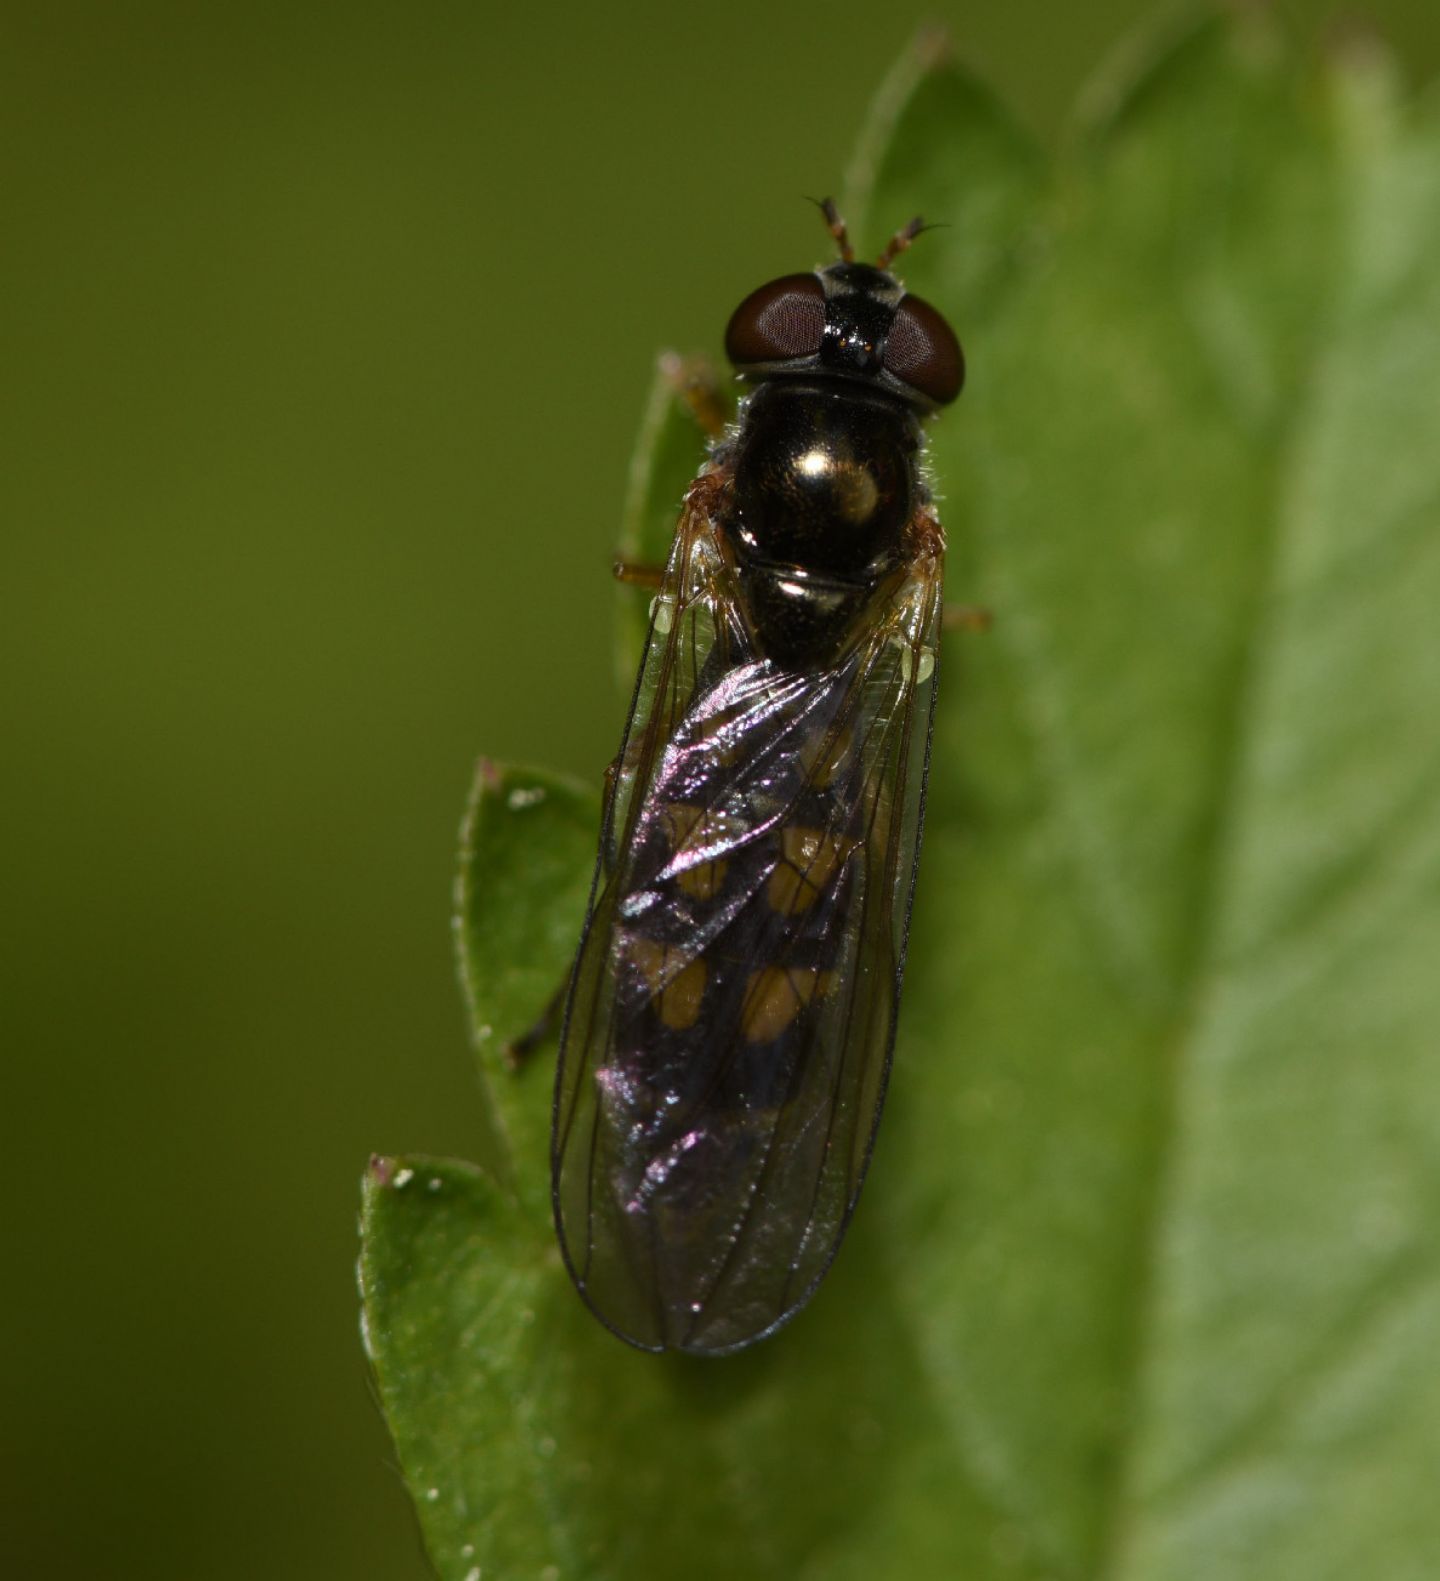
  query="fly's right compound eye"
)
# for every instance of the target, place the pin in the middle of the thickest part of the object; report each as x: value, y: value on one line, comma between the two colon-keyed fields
x: 780, y: 321
x: 922, y: 351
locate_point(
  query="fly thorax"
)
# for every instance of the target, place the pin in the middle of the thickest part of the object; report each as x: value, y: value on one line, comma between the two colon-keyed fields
x: 824, y: 478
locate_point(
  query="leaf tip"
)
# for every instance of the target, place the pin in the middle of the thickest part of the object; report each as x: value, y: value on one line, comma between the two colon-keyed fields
x: 933, y: 47
x: 1149, y: 53
x: 930, y: 51
x: 384, y: 1173
x: 1356, y: 45
x: 383, y: 1176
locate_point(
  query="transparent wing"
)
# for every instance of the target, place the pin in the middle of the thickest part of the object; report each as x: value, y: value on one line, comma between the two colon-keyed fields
x: 733, y: 1007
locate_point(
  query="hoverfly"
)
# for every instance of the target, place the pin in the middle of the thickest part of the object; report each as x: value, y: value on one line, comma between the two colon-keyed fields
x: 730, y: 1018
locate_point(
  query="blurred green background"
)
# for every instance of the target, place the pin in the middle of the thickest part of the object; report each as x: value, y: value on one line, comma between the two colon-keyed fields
x: 325, y: 336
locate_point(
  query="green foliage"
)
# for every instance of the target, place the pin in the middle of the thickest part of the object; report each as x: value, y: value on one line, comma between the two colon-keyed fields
x: 1143, y: 1284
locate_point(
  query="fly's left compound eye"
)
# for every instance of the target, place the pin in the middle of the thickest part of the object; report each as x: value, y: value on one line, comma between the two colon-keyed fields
x: 781, y: 320
x: 923, y: 352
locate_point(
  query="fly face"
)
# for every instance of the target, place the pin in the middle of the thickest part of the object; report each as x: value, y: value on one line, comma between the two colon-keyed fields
x: 732, y: 1011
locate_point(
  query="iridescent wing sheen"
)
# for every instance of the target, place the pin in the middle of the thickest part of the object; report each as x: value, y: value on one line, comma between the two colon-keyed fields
x: 733, y: 1006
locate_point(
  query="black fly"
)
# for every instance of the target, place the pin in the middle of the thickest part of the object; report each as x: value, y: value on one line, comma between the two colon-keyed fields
x: 732, y: 1011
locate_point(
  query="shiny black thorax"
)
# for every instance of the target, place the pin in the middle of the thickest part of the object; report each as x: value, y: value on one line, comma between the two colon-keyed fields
x: 826, y: 479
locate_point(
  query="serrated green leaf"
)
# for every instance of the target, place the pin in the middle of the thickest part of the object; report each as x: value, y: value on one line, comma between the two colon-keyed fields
x: 1143, y: 1287
x: 527, y: 850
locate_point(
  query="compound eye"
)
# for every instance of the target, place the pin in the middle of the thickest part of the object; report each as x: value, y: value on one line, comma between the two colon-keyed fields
x: 781, y: 320
x: 922, y: 351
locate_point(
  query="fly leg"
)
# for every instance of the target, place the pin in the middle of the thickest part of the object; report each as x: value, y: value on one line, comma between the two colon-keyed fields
x: 693, y: 385
x: 927, y: 537
x: 547, y: 1024
x: 637, y: 573
x: 967, y: 617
